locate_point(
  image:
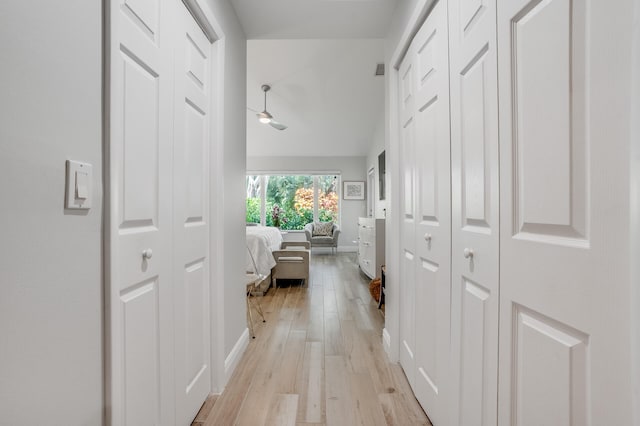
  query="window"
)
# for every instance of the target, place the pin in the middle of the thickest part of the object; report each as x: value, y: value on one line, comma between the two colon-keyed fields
x: 253, y: 199
x: 291, y: 201
x: 328, y: 198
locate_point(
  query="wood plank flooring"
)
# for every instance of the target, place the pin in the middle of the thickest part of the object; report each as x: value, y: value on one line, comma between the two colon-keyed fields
x: 318, y: 360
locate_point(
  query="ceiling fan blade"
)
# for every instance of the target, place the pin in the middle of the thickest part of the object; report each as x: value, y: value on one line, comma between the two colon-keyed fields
x: 277, y: 125
x: 253, y: 110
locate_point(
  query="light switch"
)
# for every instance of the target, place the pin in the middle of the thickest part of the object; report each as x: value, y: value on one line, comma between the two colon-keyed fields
x: 79, y: 178
x: 82, y: 191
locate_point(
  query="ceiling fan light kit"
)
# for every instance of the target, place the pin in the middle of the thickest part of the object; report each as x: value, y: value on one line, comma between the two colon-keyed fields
x: 264, y: 116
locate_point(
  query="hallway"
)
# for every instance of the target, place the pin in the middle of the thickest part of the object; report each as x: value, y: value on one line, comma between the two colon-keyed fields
x: 318, y: 359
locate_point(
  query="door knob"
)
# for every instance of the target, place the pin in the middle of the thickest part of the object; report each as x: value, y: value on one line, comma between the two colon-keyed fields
x: 147, y: 254
x: 468, y: 253
x: 427, y: 237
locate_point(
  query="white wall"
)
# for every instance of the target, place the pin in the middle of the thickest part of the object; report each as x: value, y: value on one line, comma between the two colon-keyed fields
x: 377, y: 146
x: 50, y: 259
x: 228, y: 200
x: 350, y: 168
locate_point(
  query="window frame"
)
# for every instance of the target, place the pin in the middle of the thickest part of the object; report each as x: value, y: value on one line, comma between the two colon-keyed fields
x: 315, y: 175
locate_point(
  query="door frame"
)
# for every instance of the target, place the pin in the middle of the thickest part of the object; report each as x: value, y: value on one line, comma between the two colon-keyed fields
x: 391, y: 331
x: 212, y: 29
x: 634, y: 197
x: 371, y: 193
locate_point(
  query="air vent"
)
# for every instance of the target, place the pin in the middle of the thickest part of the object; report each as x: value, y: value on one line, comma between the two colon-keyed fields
x: 380, y: 69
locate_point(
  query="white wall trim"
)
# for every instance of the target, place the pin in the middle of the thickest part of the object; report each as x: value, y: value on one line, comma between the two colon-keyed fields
x: 232, y: 360
x: 293, y: 172
x: 423, y: 7
x: 216, y: 210
x: 204, y: 18
x: 386, y: 341
x: 392, y: 241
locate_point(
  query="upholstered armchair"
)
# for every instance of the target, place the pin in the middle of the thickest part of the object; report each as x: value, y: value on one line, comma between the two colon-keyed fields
x: 330, y: 240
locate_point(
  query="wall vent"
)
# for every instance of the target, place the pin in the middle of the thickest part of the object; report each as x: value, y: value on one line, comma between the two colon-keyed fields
x: 380, y: 69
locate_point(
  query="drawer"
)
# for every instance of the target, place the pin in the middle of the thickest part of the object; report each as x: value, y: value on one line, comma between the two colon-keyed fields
x: 364, y: 222
x: 368, y: 267
x: 367, y: 234
x: 366, y: 247
x: 365, y: 244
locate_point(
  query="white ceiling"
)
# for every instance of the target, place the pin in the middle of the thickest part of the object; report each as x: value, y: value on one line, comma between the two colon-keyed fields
x: 324, y: 90
x: 319, y: 56
x: 324, y: 19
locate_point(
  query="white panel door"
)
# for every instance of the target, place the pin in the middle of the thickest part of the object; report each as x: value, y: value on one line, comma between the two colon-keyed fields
x: 475, y: 227
x: 139, y: 301
x: 432, y: 231
x: 564, y: 304
x: 407, y: 217
x: 191, y: 216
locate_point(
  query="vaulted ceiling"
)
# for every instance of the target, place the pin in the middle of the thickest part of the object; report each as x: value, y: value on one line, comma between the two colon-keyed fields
x: 319, y: 56
x: 304, y: 19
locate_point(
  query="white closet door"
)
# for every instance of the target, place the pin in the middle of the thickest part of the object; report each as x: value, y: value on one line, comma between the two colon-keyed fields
x: 564, y: 336
x: 433, y: 221
x: 191, y: 216
x: 475, y: 227
x: 139, y: 301
x: 407, y: 220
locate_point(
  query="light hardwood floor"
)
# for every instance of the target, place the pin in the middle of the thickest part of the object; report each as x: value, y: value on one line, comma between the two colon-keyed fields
x: 318, y: 360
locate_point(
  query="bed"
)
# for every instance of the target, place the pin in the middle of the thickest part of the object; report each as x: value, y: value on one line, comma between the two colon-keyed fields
x: 261, y: 242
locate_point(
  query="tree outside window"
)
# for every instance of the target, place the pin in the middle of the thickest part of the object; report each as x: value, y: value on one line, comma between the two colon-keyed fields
x: 289, y: 201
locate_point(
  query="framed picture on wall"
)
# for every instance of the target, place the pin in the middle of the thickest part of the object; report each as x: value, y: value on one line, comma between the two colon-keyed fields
x: 353, y: 190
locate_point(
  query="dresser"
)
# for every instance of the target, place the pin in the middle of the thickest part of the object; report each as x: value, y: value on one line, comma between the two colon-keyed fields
x: 370, y: 245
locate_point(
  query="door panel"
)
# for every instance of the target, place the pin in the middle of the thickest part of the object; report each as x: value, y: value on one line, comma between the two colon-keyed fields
x: 140, y: 340
x: 146, y: 12
x: 474, y: 192
x: 473, y: 142
x: 407, y: 316
x: 564, y: 306
x: 191, y: 226
x: 432, y: 231
x: 140, y: 307
x: 551, y: 370
x: 407, y: 222
x: 475, y: 341
x: 140, y: 157
x: 551, y: 200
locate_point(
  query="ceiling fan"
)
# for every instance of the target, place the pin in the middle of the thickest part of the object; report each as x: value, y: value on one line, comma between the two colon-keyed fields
x: 264, y: 116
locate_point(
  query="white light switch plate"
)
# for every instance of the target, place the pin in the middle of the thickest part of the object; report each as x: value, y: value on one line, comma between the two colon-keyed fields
x: 79, y: 182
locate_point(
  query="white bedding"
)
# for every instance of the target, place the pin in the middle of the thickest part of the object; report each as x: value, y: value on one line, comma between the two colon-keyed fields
x: 261, y: 241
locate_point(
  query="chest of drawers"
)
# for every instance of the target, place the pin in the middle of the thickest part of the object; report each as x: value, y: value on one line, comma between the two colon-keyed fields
x: 370, y: 245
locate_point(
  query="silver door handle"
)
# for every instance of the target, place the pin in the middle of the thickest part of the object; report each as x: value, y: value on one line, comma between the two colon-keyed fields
x: 427, y: 237
x: 147, y: 254
x: 468, y: 253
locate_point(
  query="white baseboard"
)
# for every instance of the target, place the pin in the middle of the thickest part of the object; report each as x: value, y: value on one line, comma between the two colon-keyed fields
x: 231, y: 362
x: 386, y: 342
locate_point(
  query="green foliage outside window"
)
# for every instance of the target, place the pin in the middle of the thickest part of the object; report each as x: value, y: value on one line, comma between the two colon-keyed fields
x: 294, y: 196
x: 253, y: 210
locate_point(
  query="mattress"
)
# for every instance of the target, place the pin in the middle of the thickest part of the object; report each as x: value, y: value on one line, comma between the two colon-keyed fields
x: 261, y: 241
